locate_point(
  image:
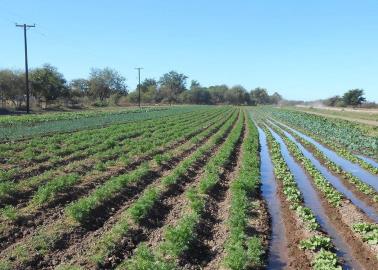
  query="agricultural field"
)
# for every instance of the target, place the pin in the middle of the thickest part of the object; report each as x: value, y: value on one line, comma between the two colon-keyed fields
x: 188, y: 187
x: 363, y: 116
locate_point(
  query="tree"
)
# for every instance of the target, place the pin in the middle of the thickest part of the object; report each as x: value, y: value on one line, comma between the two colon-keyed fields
x: 354, y: 97
x: 275, y: 98
x: 237, y: 95
x: 12, y: 86
x: 196, y: 96
x: 104, y: 82
x: 48, y: 83
x: 172, y: 84
x: 218, y: 93
x: 147, y: 84
x: 194, y: 85
x: 79, y: 87
x: 260, y: 96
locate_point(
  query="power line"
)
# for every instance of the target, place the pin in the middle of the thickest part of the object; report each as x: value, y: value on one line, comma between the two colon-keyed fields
x: 25, y: 26
x: 139, y: 68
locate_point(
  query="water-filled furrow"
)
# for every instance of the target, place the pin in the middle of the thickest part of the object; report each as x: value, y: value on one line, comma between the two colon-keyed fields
x: 369, y: 160
x: 278, y: 245
x: 345, y: 164
x: 335, y: 181
x: 313, y: 201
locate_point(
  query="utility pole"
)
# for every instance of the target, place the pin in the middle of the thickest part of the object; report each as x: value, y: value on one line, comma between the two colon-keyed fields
x: 25, y: 26
x: 139, y: 68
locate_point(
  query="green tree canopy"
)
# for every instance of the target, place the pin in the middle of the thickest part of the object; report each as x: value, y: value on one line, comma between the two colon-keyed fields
x: 172, y: 84
x: 217, y: 93
x: 48, y: 83
x: 79, y: 87
x: 237, y: 95
x: 12, y: 86
x: 275, y: 98
x: 147, y: 84
x: 196, y: 96
x: 104, y: 82
x: 354, y: 97
x: 260, y: 96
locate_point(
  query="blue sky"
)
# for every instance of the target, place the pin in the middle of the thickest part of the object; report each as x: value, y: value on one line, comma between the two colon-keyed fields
x: 302, y: 49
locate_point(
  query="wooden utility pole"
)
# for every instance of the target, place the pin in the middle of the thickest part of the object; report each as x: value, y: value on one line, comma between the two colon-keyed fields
x: 139, y: 68
x: 25, y: 26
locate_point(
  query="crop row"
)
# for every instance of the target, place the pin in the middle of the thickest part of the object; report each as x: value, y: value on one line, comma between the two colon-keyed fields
x: 51, y: 189
x: 318, y: 245
x: 60, y: 145
x: 53, y: 149
x: 333, y: 167
x: 80, y: 210
x: 117, y: 142
x: 134, y: 148
x: 45, y: 238
x: 242, y: 250
x: 34, y: 118
x: 341, y: 151
x: 334, y: 197
x: 178, y: 238
x: 342, y: 132
x: 18, y: 131
x: 110, y: 241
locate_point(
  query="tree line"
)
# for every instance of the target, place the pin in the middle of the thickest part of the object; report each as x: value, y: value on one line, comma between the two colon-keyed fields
x: 353, y: 97
x: 104, y: 86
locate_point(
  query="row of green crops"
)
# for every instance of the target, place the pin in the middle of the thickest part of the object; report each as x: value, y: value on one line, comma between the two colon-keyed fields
x: 111, y: 240
x: 28, y: 119
x: 116, y: 143
x: 45, y: 237
x: 49, y: 191
x: 242, y: 250
x: 9, y: 187
x: 38, y: 149
x: 18, y: 129
x: 82, y: 208
x: 178, y: 238
x: 318, y: 244
x: 331, y: 131
x: 329, y: 192
x: 333, y: 167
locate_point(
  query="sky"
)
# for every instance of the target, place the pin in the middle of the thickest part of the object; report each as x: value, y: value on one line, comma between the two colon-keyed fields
x: 305, y: 50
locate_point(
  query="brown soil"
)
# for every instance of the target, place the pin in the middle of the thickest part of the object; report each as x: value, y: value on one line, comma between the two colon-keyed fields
x: 297, y: 258
x: 340, y: 218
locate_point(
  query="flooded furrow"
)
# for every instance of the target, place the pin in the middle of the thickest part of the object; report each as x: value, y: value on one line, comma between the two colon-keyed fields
x: 345, y: 164
x: 335, y: 181
x: 312, y: 201
x: 368, y: 160
x: 278, y: 244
